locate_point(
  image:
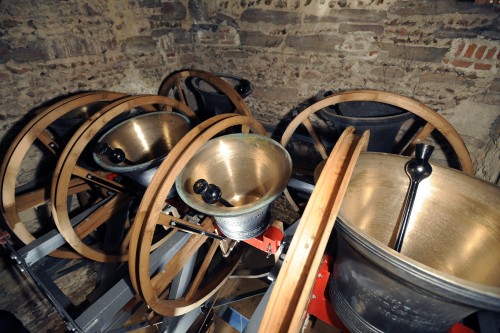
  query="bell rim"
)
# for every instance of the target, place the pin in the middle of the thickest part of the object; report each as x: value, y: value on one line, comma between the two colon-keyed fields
x: 451, y: 287
x: 136, y: 167
x: 238, y: 210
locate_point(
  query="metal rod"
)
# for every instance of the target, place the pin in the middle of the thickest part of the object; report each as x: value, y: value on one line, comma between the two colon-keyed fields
x: 189, y: 228
x: 417, y: 169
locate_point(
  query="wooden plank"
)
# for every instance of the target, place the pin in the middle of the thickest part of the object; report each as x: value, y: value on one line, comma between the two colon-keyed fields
x: 288, y: 302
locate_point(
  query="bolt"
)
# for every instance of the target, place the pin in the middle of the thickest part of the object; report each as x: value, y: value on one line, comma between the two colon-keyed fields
x: 313, y: 296
x: 320, y: 275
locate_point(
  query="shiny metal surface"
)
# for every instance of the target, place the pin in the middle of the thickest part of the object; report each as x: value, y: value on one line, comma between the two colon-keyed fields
x: 146, y: 140
x: 449, y: 264
x: 69, y: 122
x: 251, y: 170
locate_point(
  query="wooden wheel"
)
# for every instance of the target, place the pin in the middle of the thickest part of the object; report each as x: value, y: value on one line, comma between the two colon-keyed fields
x: 433, y: 122
x: 40, y: 130
x: 118, y: 195
x: 175, y: 86
x: 151, y: 286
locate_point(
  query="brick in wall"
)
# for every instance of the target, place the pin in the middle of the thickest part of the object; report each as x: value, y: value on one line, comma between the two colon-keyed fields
x: 4, y: 52
x: 457, y: 33
x: 139, y: 44
x: 388, y: 72
x: 495, y: 85
x: 173, y: 11
x: 258, y: 39
x: 378, y: 29
x: 473, y: 55
x: 415, y: 53
x: 275, y: 93
x: 33, y: 51
x: 314, y: 43
x: 349, y: 15
x: 433, y: 7
x: 270, y: 16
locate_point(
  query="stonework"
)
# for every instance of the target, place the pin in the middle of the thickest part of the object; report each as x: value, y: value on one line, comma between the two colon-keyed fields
x: 443, y: 53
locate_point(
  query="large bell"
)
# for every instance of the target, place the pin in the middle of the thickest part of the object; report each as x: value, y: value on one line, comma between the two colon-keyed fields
x: 449, y: 265
x: 250, y: 169
x: 136, y: 147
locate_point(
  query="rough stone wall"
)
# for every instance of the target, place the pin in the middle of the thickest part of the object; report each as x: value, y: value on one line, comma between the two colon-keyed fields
x: 49, y: 49
x: 444, y: 53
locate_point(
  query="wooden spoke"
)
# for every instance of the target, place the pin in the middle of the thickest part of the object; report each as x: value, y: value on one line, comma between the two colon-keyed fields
x: 48, y: 140
x: 41, y: 196
x: 432, y: 119
x: 161, y: 280
x: 37, y: 131
x: 203, y: 269
x: 180, y: 91
x: 174, y: 85
x: 68, y: 166
x: 102, y: 214
x: 317, y: 142
x: 285, y: 311
x: 152, y: 288
x: 418, y: 138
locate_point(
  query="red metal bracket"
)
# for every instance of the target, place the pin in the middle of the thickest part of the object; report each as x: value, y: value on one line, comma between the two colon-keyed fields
x: 269, y: 241
x: 320, y: 304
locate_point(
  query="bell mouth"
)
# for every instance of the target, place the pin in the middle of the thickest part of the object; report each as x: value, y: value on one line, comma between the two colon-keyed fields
x: 453, y: 240
x: 145, y: 140
x: 250, y: 169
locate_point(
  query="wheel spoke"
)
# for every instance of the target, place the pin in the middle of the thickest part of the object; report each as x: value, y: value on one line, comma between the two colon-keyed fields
x: 102, y: 215
x: 48, y: 140
x: 41, y: 196
x: 203, y: 269
x: 180, y: 91
x: 317, y: 142
x: 161, y: 280
x: 418, y: 138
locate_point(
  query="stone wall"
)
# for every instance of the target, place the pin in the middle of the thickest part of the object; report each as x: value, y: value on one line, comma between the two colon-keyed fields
x: 443, y: 53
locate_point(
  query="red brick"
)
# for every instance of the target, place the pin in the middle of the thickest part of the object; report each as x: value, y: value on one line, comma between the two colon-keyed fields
x: 470, y: 50
x: 491, y: 52
x: 482, y: 67
x: 461, y: 63
x: 480, y: 52
x: 460, y: 49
